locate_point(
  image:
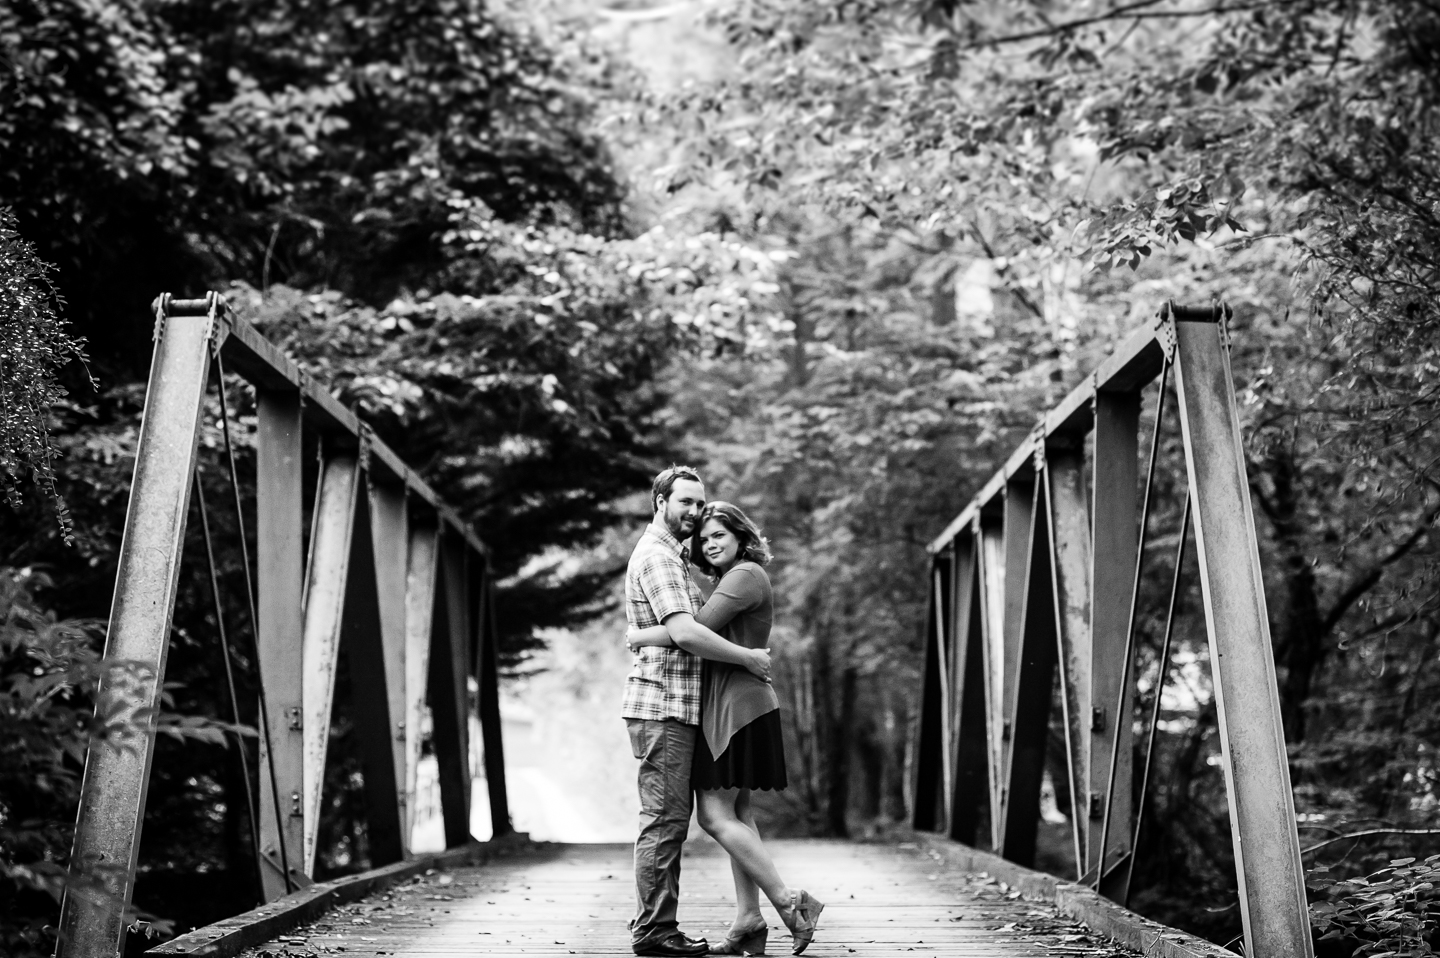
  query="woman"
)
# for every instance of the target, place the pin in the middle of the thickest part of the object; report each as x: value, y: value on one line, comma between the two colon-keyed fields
x: 740, y: 717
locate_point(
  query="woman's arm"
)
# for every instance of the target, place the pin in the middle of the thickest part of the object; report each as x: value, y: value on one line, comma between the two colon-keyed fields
x: 655, y: 635
x: 735, y: 593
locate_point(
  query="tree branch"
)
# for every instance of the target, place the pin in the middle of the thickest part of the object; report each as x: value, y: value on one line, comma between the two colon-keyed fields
x: 1368, y: 832
x: 1367, y: 581
x: 1123, y: 11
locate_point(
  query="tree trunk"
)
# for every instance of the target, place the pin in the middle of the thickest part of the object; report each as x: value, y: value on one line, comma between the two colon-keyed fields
x: 838, y: 752
x: 1301, y: 648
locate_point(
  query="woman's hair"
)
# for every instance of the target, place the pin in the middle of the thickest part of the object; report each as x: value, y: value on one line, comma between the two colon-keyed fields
x: 752, y: 544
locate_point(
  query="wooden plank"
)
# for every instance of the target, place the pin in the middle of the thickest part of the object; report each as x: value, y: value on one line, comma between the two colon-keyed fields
x: 881, y: 900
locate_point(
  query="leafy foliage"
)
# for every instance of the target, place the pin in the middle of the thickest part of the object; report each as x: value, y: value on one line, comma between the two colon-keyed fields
x: 34, y: 346
x: 1389, y: 912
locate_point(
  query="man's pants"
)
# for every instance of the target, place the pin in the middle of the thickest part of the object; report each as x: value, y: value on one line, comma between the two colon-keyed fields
x: 665, y: 749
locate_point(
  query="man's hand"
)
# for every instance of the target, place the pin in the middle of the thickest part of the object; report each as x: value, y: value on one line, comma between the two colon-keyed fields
x: 759, y: 664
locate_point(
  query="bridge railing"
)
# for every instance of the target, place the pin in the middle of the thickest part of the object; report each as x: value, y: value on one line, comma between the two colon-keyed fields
x: 389, y: 572
x: 1038, y: 578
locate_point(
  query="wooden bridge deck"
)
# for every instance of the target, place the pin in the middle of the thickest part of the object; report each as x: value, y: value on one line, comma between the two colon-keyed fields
x: 881, y: 900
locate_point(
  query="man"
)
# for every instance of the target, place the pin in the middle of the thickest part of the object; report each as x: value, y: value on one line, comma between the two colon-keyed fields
x: 661, y: 705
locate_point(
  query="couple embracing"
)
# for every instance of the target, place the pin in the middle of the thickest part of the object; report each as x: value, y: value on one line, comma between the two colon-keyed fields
x: 708, y: 733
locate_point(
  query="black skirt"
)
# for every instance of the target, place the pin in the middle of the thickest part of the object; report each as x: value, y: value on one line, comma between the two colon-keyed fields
x: 755, y: 758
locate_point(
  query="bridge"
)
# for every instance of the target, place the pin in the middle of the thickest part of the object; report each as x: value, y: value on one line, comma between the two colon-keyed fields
x: 1034, y: 589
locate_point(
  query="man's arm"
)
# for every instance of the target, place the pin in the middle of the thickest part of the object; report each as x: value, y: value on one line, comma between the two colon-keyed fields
x: 698, y: 640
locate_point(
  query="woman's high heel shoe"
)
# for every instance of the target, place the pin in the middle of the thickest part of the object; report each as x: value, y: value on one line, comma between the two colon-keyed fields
x: 805, y: 910
x: 748, y: 941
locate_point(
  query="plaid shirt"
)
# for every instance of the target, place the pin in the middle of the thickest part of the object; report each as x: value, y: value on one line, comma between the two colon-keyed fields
x: 663, y: 683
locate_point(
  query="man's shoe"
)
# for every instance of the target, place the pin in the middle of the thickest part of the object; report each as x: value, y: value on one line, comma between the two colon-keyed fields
x: 678, y: 945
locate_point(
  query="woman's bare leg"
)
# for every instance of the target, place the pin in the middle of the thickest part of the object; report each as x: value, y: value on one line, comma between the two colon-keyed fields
x: 717, y: 813
x: 747, y: 893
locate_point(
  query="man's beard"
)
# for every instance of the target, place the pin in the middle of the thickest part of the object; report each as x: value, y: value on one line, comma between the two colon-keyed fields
x: 680, y: 526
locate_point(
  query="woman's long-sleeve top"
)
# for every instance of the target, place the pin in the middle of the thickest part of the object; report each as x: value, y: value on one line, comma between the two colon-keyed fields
x: 740, y: 609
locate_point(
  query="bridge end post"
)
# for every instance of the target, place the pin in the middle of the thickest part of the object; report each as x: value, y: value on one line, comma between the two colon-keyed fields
x: 1268, y: 868
x: 117, y: 773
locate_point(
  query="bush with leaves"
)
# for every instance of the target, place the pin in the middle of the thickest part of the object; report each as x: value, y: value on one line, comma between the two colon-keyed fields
x: 1390, y: 912
x: 34, y: 346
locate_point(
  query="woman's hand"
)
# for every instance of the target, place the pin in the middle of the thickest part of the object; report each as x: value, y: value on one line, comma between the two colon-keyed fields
x: 759, y: 664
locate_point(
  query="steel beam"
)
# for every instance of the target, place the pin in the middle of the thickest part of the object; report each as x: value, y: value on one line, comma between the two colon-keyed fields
x: 117, y: 773
x: 1069, y: 516
x: 940, y: 582
x: 1116, y: 538
x: 971, y: 794
x: 449, y: 693
x: 1262, y: 807
x: 391, y: 548
x: 927, y: 804
x: 1034, y: 684
x: 420, y: 600
x: 330, y: 551
x: 280, y: 561
x: 363, y: 641
x: 487, y: 673
x: 991, y: 573
x: 1019, y: 533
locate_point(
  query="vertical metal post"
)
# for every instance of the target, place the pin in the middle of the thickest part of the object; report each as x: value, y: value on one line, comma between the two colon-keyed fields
x: 280, y: 560
x: 335, y: 503
x: 420, y: 601
x: 972, y: 780
x: 117, y: 775
x: 990, y: 536
x: 487, y: 667
x: 449, y: 694
x: 388, y: 528
x: 939, y: 583
x: 924, y: 815
x: 363, y: 640
x: 1116, y: 544
x: 1019, y: 534
x: 1262, y: 807
x: 1034, y: 685
x: 1070, y: 555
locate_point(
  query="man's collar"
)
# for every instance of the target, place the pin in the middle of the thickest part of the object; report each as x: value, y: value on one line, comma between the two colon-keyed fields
x: 659, y: 531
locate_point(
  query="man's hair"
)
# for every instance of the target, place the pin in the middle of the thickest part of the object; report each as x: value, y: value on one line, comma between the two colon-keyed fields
x: 665, y: 481
x: 753, y: 545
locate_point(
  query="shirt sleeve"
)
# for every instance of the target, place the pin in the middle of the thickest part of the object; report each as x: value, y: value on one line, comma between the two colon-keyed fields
x: 665, y: 586
x: 737, y: 592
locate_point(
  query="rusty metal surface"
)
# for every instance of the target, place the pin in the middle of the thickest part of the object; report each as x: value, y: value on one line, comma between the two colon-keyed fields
x: 389, y: 521
x: 1262, y: 807
x: 112, y: 795
x: 1033, y: 682
x: 449, y: 693
x: 280, y: 564
x: 1115, y: 543
x: 420, y: 578
x: 335, y: 504
x: 1070, y: 570
x: 487, y: 670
